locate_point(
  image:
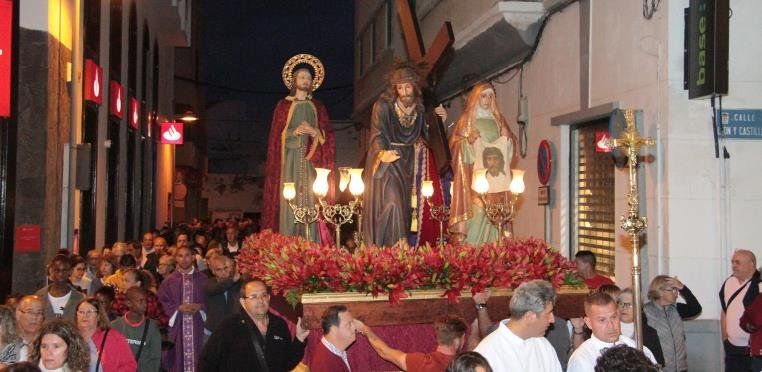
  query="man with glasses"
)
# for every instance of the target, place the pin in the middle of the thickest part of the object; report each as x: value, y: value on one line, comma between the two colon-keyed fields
x: 249, y: 340
x: 221, y: 290
x: 29, y: 318
x: 59, y: 297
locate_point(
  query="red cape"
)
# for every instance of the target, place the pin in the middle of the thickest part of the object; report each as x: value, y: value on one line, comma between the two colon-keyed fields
x: 322, y: 158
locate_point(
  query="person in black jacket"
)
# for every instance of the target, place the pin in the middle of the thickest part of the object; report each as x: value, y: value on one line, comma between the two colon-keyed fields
x: 221, y: 290
x: 666, y: 315
x: 247, y: 340
x: 627, y: 325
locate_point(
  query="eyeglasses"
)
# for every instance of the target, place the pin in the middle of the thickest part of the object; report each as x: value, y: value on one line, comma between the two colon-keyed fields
x: 224, y: 268
x: 263, y: 296
x: 31, y: 313
x: 87, y: 312
x: 625, y: 305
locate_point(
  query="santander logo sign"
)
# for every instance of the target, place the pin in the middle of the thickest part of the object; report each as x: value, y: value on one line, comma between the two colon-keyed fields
x: 172, y: 133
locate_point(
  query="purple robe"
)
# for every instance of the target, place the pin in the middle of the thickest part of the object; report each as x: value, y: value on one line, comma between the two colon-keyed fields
x: 187, y: 330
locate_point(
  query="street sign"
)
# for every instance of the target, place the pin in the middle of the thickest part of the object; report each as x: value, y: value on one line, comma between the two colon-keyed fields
x: 741, y: 124
x: 172, y: 133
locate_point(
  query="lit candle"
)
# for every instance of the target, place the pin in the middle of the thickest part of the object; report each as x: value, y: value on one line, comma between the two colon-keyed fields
x: 289, y: 190
x: 343, y: 178
x: 427, y: 189
x: 356, y: 186
x: 320, y: 187
x: 517, y: 183
x: 479, y: 182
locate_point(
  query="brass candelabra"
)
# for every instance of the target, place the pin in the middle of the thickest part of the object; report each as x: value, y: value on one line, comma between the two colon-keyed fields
x: 500, y: 213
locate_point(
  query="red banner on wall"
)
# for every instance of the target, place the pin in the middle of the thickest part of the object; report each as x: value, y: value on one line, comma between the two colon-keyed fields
x: 27, y: 239
x: 6, y: 36
x: 172, y: 133
x: 116, y: 94
x: 134, y: 113
x: 93, y: 82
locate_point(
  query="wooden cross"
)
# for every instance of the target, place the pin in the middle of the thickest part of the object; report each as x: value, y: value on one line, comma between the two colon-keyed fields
x: 429, y: 61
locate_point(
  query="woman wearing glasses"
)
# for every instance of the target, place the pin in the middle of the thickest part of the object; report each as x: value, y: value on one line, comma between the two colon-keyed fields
x: 627, y: 325
x: 109, y: 351
x: 666, y: 315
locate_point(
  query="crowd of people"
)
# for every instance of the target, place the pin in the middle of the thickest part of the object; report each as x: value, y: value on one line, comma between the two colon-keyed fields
x: 176, y: 301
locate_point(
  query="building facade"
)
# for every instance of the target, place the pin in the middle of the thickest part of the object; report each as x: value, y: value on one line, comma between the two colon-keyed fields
x: 83, y: 166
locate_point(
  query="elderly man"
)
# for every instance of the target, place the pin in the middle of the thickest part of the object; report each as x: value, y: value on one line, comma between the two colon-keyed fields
x: 451, y: 336
x: 330, y: 354
x: 221, y: 290
x: 602, y: 317
x: 59, y: 297
x: 518, y: 344
x: 737, y: 292
x: 93, y: 263
x: 29, y: 317
x: 149, y: 258
x: 166, y: 267
x: 255, y: 340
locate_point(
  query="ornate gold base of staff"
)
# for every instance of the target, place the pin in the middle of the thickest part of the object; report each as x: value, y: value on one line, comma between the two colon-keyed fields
x: 632, y: 222
x: 439, y: 213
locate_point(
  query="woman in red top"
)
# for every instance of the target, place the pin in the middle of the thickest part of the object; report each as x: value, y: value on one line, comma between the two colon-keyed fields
x: 751, y: 321
x: 112, y: 353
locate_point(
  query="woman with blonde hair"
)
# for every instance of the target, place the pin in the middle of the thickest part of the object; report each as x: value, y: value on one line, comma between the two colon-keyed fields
x: 60, y: 348
x: 480, y: 131
x: 666, y: 315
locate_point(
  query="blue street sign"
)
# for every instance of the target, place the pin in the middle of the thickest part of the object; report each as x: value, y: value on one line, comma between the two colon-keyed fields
x: 741, y: 124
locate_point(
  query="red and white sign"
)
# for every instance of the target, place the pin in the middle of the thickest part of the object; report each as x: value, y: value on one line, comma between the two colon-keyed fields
x: 6, y: 35
x: 116, y: 98
x: 172, y: 133
x: 134, y: 113
x: 602, y: 140
x: 27, y: 239
x: 93, y: 82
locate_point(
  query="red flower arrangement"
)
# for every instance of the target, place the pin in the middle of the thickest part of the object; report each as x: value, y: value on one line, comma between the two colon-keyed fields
x: 292, y: 266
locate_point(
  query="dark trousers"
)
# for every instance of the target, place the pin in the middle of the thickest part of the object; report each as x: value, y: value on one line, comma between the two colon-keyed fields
x: 756, y: 363
x: 737, y: 358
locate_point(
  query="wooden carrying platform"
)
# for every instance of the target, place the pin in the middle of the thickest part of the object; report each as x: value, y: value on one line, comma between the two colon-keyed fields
x: 422, y: 306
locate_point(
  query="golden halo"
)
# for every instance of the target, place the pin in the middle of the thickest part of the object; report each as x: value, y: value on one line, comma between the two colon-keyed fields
x: 317, y: 66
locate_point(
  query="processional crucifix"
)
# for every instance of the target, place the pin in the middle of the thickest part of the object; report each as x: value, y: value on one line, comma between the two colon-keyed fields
x: 632, y: 222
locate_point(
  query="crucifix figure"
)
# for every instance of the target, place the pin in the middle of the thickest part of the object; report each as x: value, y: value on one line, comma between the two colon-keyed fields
x: 632, y: 222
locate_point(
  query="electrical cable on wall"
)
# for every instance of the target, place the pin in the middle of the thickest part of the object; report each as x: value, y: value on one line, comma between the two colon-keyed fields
x: 522, y: 116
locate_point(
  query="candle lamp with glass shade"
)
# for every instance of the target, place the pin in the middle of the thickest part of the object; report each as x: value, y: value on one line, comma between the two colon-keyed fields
x: 499, y: 213
x: 302, y: 214
x: 335, y: 214
x: 439, y: 213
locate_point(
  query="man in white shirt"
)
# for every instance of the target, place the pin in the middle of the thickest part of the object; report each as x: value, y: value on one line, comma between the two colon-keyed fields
x: 518, y: 344
x: 602, y: 317
x: 738, y: 291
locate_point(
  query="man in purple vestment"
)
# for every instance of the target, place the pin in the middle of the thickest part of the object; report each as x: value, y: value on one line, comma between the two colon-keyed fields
x: 182, y: 296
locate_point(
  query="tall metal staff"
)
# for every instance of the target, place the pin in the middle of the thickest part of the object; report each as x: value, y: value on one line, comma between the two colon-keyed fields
x: 632, y: 222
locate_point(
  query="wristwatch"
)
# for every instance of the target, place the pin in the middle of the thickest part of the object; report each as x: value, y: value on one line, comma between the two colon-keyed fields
x: 481, y: 306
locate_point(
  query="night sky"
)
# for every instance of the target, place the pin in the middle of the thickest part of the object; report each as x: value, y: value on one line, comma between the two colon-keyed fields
x: 246, y: 42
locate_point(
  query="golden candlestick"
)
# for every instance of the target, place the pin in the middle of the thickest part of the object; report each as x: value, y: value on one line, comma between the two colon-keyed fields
x: 632, y: 222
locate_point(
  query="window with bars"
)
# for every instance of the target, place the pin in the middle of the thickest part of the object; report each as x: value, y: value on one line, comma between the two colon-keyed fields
x: 592, y: 192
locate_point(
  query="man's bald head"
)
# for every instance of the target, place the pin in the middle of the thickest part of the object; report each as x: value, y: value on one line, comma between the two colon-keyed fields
x: 744, y: 264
